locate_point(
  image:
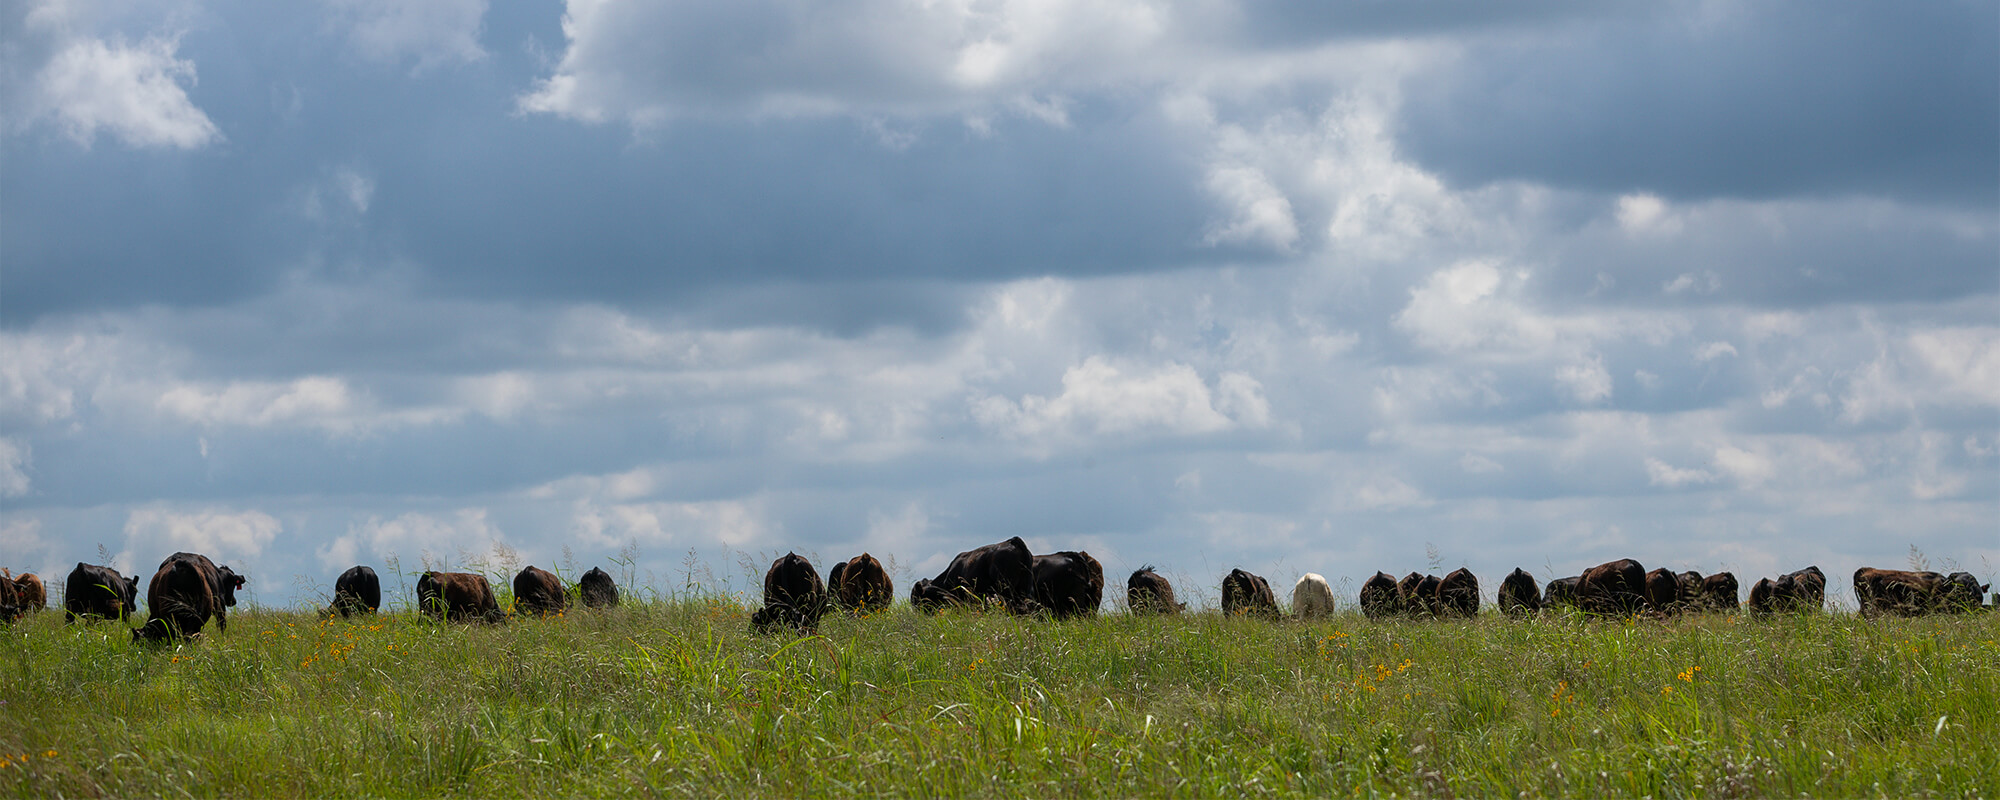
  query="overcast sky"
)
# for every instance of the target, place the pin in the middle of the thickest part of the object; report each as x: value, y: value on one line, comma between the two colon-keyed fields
x: 1293, y: 287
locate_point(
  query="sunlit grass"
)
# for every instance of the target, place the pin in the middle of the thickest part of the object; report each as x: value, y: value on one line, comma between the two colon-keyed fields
x: 680, y: 698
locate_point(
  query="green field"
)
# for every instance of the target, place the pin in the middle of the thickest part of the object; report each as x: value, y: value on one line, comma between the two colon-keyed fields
x: 677, y: 698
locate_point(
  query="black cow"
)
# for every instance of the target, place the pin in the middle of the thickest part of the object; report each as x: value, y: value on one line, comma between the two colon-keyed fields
x: 1149, y: 592
x: 10, y: 600
x: 1764, y: 596
x: 458, y: 597
x: 1458, y: 594
x: 1894, y: 591
x: 356, y: 591
x: 1718, y: 592
x: 1519, y: 595
x: 1561, y: 592
x: 95, y: 592
x: 1379, y: 597
x: 1614, y: 588
x: 538, y: 591
x: 1002, y: 574
x: 794, y: 596
x: 1689, y: 583
x: 1244, y: 594
x: 1069, y: 584
x: 1419, y: 595
x: 861, y: 585
x: 187, y: 589
x: 598, y: 589
x: 1962, y: 592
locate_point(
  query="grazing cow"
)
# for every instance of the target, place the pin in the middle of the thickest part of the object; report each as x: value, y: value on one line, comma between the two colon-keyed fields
x: 33, y: 597
x: 1002, y: 573
x: 356, y: 591
x: 187, y: 590
x: 1718, y: 592
x: 1419, y: 594
x: 1380, y: 598
x: 1663, y: 591
x: 10, y: 600
x: 1807, y: 590
x: 538, y: 591
x: 861, y: 585
x: 1561, y: 592
x: 1519, y: 596
x: 794, y: 597
x: 1247, y: 594
x: 1614, y: 588
x: 1961, y: 592
x: 1458, y: 594
x: 1689, y: 583
x: 598, y: 590
x: 1894, y: 591
x: 1069, y: 584
x: 1763, y: 596
x: 1311, y: 597
x: 458, y: 597
x: 1148, y: 592
x: 95, y: 592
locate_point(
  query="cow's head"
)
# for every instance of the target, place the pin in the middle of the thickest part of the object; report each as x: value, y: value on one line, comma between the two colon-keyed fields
x: 230, y: 583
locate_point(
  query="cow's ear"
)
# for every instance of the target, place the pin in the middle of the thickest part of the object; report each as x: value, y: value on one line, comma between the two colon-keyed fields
x: 237, y: 581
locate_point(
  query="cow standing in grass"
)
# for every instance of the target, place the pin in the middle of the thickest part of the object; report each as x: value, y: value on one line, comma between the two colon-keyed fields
x: 93, y: 593
x: 356, y: 591
x: 597, y: 588
x: 185, y: 592
x: 458, y: 597
x: 1719, y: 592
x: 1419, y: 595
x: 794, y: 596
x: 1663, y: 591
x: 1458, y: 594
x: 1615, y: 588
x: 861, y: 585
x: 1561, y: 592
x: 1069, y: 584
x: 1245, y: 594
x: 1002, y: 574
x: 538, y: 591
x: 1149, y: 592
x: 1519, y: 596
x: 32, y: 595
x: 1380, y: 597
x: 1312, y: 597
x: 1961, y: 592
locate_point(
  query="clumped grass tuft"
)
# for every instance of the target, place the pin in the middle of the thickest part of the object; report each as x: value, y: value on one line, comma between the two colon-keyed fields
x: 676, y: 697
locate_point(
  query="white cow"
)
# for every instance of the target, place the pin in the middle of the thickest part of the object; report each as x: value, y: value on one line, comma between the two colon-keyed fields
x: 1311, y: 597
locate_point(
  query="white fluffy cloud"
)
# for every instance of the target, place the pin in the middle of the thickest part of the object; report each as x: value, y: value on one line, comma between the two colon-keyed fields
x: 434, y: 540
x: 135, y: 92
x: 219, y: 533
x: 14, y: 460
x: 1098, y: 397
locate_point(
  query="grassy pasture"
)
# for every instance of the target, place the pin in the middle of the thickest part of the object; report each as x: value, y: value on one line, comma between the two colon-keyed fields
x: 677, y: 698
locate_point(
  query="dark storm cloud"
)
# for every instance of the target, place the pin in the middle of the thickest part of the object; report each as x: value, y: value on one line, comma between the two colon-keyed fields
x: 1752, y: 101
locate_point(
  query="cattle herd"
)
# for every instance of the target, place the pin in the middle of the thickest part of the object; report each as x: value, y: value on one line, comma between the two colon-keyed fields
x: 188, y: 589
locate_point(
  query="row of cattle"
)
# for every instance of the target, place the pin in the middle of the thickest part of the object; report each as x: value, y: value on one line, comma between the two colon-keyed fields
x: 188, y: 589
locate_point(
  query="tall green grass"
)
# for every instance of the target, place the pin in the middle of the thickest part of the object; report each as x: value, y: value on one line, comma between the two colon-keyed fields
x: 679, y: 698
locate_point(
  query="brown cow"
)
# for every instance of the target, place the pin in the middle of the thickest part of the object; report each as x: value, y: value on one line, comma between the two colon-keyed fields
x: 538, y: 591
x: 1893, y: 591
x: 1614, y: 588
x: 187, y: 589
x: 861, y: 585
x: 1380, y: 597
x: 1245, y: 594
x: 1149, y: 592
x: 1663, y: 592
x: 30, y: 593
x: 794, y: 596
x: 1419, y: 595
x: 1690, y: 589
x: 1069, y: 584
x: 1519, y: 596
x: 458, y: 597
x: 10, y: 600
x: 1458, y: 593
x: 1719, y: 592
